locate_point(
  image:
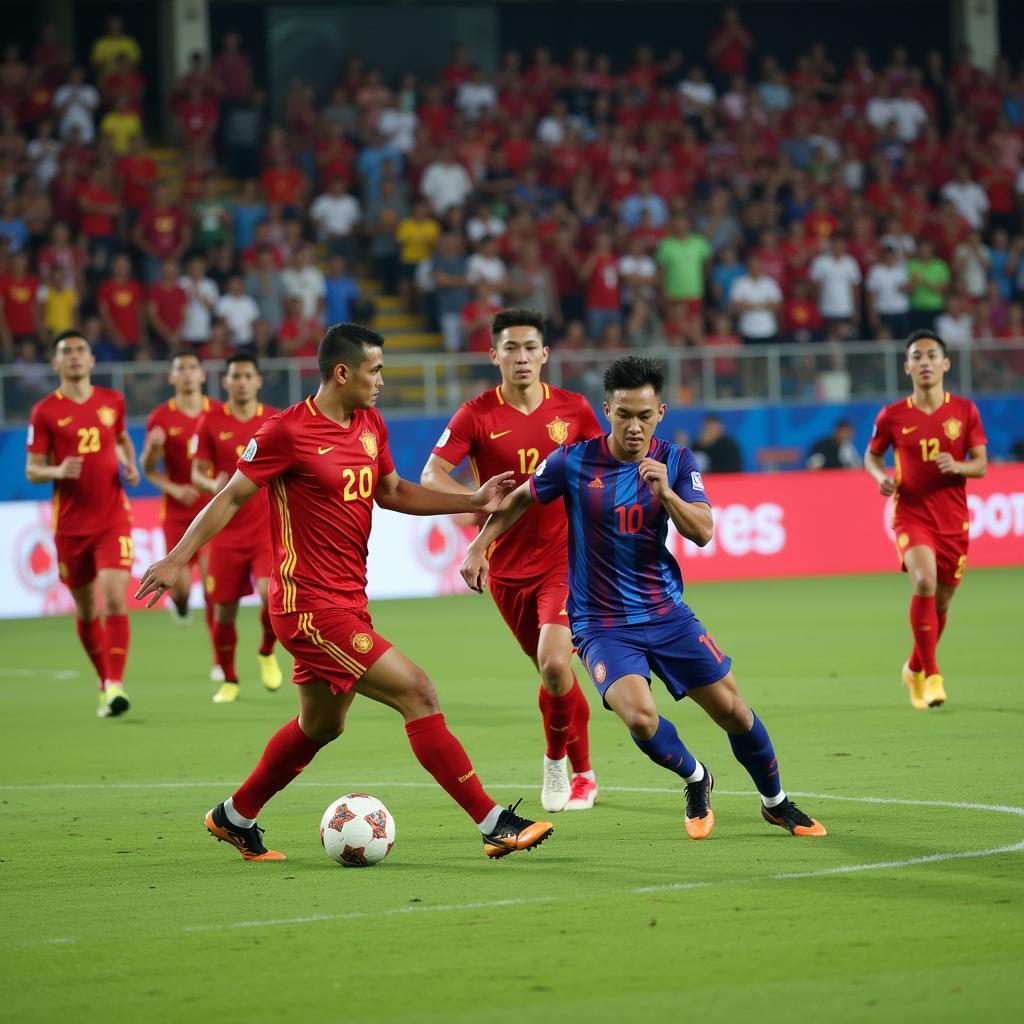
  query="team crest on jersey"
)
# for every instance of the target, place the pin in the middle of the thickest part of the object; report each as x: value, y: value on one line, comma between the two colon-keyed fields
x: 953, y: 428
x: 558, y: 431
x: 903, y: 540
x: 599, y: 673
x: 106, y: 416
x: 369, y: 443
x: 362, y: 643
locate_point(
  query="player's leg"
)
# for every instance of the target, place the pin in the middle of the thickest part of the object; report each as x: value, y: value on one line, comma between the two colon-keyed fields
x: 399, y: 683
x: 225, y: 646
x: 182, y: 588
x: 951, y: 562
x: 270, y: 670
x: 919, y: 561
x: 90, y: 629
x: 113, y: 588
x: 203, y: 561
x: 227, y: 582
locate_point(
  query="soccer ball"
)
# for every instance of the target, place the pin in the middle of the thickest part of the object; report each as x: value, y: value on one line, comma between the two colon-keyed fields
x: 357, y: 831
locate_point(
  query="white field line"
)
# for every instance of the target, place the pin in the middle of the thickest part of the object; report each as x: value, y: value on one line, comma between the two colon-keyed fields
x: 33, y: 673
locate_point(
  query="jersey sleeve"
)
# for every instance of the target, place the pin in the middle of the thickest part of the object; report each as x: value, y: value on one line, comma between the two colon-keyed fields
x: 39, y: 440
x: 201, y: 445
x: 269, y: 453
x: 548, y: 482
x: 881, y: 436
x: 154, y: 418
x: 456, y: 441
x: 590, y: 426
x: 975, y: 429
x: 687, y: 482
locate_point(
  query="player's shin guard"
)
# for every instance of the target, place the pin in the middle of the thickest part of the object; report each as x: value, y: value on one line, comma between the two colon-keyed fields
x: 754, y: 751
x: 118, y: 637
x: 444, y: 757
x: 578, y: 747
x: 557, y: 714
x: 287, y: 753
x: 269, y: 638
x: 665, y: 748
x: 94, y: 641
x: 225, y: 640
x: 925, y: 625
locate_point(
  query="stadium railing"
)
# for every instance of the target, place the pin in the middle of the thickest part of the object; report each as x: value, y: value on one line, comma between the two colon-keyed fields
x: 433, y: 383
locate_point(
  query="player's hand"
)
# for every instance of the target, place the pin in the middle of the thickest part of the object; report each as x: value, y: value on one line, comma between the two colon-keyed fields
x: 493, y: 493
x: 157, y: 580
x: 887, y: 486
x: 131, y: 474
x: 946, y: 463
x: 185, y: 494
x: 157, y: 437
x: 70, y: 468
x: 474, y: 569
x: 655, y: 475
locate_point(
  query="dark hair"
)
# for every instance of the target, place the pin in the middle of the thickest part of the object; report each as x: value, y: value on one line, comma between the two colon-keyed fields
x: 187, y: 353
x: 925, y: 334
x: 634, y: 372
x: 71, y: 333
x: 345, y: 343
x: 241, y: 356
x: 517, y: 316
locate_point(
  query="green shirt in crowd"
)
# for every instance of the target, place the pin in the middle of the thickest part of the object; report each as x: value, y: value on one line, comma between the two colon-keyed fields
x: 932, y: 274
x: 683, y: 260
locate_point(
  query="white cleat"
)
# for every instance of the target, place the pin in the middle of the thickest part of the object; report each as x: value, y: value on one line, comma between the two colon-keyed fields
x: 583, y: 794
x: 216, y: 674
x: 554, y: 794
x: 181, y: 621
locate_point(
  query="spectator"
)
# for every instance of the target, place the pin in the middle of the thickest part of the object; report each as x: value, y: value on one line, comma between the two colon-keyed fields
x: 638, y: 273
x: 263, y: 283
x: 475, y: 96
x: 972, y: 261
x: 232, y: 70
x: 485, y: 266
x: 19, y: 309
x: 108, y: 48
x: 211, y: 219
x: 304, y: 280
x: 137, y: 173
x: 336, y: 215
x: 644, y: 200
x: 476, y: 319
x: 43, y: 154
x: 929, y: 279
x: 451, y: 288
x: 384, y: 214
x: 13, y: 228
x: 197, y: 117
x: 837, y: 451
x: 243, y: 125
x: 122, y: 310
x: 723, y: 337
x: 968, y: 197
x: 715, y: 450
x: 484, y: 223
x: 416, y: 236
x: 99, y: 209
x: 284, y: 185
x: 161, y: 232
x: 445, y: 183
x: 299, y: 335
x: 126, y: 83
x: 887, y: 295
x: 62, y: 253
x: 726, y: 272
x: 802, y: 321
x: 683, y: 258
x: 75, y: 104
x: 756, y: 299
x: 603, y: 296
x: 955, y: 325
x: 838, y: 278
x: 238, y: 311
x: 202, y: 300
x: 166, y: 301
x: 342, y: 291
x: 532, y: 284
x: 729, y: 44
x: 58, y: 303
x: 373, y: 159
x: 248, y: 211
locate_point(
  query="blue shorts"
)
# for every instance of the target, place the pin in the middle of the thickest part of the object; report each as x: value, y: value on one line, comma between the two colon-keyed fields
x: 676, y: 647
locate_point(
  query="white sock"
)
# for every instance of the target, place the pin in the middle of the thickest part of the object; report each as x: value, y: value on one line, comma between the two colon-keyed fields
x: 235, y: 818
x: 698, y: 774
x: 585, y: 775
x: 773, y: 801
x: 490, y: 822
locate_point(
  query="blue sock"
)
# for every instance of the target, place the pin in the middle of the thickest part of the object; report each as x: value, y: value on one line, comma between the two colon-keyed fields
x: 665, y: 748
x: 754, y: 751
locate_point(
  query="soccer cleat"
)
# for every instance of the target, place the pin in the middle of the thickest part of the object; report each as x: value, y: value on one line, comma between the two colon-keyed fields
x: 513, y: 833
x: 915, y: 683
x: 216, y: 674
x: 700, y: 819
x: 270, y: 671
x: 227, y: 694
x: 103, y: 711
x: 117, y: 699
x: 182, y: 621
x: 555, y: 792
x: 934, y: 691
x: 582, y: 793
x: 247, y: 841
x: 788, y: 816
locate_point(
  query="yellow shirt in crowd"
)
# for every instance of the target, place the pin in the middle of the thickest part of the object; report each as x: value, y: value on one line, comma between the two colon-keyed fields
x: 417, y: 239
x: 58, y: 307
x: 105, y: 52
x: 121, y: 126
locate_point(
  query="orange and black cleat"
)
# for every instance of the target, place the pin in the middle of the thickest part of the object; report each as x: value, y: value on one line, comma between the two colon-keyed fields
x: 247, y: 841
x: 788, y: 816
x: 700, y: 819
x: 513, y: 833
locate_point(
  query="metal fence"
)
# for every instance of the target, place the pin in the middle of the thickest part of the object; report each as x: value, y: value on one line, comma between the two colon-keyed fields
x: 725, y: 377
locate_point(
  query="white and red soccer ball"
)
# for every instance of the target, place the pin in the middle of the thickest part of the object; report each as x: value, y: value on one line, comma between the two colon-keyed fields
x: 357, y: 831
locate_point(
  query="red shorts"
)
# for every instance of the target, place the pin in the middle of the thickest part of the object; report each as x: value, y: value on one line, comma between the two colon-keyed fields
x: 526, y: 606
x: 336, y: 645
x: 233, y: 567
x: 950, y: 549
x: 82, y: 556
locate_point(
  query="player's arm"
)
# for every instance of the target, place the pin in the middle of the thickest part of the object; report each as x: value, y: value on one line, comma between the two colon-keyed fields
x: 204, y: 479
x: 400, y: 495
x: 126, y: 456
x: 437, y: 475
x: 39, y: 471
x: 875, y: 465
x: 160, y: 576
x: 150, y: 460
x: 692, y: 519
x: 474, y: 565
x: 973, y: 468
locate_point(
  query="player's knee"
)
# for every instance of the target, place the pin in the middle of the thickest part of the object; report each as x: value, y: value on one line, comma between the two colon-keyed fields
x: 641, y: 721
x: 115, y: 604
x: 554, y: 672
x: 322, y: 730
x: 924, y: 582
x: 420, y: 698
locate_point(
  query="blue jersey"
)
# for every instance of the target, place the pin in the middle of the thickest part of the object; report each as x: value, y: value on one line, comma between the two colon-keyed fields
x: 620, y: 571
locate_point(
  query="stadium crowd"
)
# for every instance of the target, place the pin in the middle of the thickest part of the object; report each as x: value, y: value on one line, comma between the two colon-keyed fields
x: 726, y: 201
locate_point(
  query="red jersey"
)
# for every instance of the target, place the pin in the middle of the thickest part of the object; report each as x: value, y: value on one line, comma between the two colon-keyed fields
x: 137, y: 175
x: 19, y: 296
x: 220, y: 439
x: 162, y: 229
x: 322, y: 478
x: 497, y: 437
x: 123, y: 300
x: 59, y: 427
x: 179, y: 429
x: 923, y: 493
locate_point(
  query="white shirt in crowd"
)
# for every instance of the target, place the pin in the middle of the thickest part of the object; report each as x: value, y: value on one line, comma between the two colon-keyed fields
x: 642, y: 267
x: 399, y: 128
x: 240, y: 312
x: 475, y: 97
x: 970, y: 200
x: 886, y: 284
x: 446, y: 185
x: 202, y: 298
x: 306, y: 284
x: 44, y: 156
x: 764, y: 291
x: 972, y: 264
x: 489, y: 227
x: 955, y: 331
x: 335, y: 216
x: 84, y: 102
x: 700, y: 93
x: 488, y: 269
x: 906, y: 112
x: 835, y: 278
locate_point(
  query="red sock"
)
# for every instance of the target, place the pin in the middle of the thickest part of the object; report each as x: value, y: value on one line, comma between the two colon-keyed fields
x: 579, y: 735
x: 925, y: 625
x: 914, y: 661
x: 118, y: 637
x: 557, y: 715
x: 210, y: 623
x: 286, y: 754
x: 442, y: 755
x: 269, y: 639
x: 225, y: 640
x: 93, y: 640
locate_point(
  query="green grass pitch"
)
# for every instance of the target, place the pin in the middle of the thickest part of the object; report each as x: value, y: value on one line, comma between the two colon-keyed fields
x: 115, y: 905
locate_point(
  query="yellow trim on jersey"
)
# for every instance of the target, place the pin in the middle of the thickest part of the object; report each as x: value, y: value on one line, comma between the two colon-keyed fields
x: 259, y: 408
x: 59, y: 395
x: 309, y: 403
x: 497, y: 391
x: 56, y: 509
x: 171, y: 405
x: 206, y: 404
x: 332, y: 650
x: 547, y: 392
x: 287, y: 542
x: 910, y: 402
x: 948, y: 398
x: 476, y: 471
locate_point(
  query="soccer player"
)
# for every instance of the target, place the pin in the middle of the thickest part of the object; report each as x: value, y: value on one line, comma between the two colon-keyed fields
x: 939, y: 442
x: 626, y: 605
x: 325, y: 461
x: 242, y: 552
x: 514, y: 427
x: 77, y: 439
x: 169, y: 432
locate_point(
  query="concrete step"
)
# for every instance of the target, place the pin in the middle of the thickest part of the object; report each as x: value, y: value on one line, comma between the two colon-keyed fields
x: 414, y: 342
x: 398, y: 321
